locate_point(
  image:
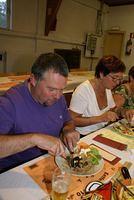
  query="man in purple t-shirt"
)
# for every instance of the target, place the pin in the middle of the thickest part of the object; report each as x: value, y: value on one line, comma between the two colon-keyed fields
x: 34, y: 114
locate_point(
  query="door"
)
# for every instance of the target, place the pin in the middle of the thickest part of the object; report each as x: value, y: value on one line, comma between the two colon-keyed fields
x: 113, y: 42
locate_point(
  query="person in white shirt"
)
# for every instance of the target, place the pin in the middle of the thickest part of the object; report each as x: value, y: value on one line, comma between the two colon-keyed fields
x: 92, y: 104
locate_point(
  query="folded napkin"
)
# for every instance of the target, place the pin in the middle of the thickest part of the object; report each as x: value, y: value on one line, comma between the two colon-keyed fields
x: 109, y: 142
x: 103, y: 192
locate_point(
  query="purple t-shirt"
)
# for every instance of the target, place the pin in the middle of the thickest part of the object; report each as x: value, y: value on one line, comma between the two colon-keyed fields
x: 20, y: 113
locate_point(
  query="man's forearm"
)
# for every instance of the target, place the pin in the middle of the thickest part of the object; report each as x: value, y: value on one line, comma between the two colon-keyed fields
x: 68, y: 126
x: 11, y: 144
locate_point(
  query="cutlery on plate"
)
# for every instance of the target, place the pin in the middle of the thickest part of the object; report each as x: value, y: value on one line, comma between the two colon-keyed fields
x: 125, y: 188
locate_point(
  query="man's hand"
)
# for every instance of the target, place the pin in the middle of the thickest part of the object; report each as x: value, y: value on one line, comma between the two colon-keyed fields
x: 70, y: 139
x: 52, y: 144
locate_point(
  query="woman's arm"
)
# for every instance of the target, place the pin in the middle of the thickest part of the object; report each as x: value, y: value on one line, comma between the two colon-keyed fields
x: 122, y: 111
x: 81, y: 121
x: 119, y: 100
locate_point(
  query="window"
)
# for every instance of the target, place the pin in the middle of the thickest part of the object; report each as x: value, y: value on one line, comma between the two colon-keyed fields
x: 5, y: 14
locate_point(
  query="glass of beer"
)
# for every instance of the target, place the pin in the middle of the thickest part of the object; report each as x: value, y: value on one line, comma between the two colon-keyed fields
x: 60, y: 184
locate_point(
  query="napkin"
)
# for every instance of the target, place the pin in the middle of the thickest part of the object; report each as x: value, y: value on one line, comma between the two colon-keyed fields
x: 104, y: 192
x: 114, y: 144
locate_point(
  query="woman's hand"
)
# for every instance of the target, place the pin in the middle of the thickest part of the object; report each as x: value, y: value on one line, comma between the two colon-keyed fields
x: 109, y: 116
x: 128, y: 114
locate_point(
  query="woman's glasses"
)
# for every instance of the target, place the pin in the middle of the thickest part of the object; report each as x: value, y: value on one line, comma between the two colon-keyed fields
x: 115, y: 79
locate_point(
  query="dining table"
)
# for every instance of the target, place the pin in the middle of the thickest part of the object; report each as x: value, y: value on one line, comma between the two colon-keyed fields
x: 20, y: 183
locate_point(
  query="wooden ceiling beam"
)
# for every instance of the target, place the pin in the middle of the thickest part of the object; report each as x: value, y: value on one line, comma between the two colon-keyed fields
x: 118, y: 2
x: 51, y: 13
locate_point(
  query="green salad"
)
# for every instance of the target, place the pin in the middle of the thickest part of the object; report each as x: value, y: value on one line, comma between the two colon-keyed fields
x: 84, y: 158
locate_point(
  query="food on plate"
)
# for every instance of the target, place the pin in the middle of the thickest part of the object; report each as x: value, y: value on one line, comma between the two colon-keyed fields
x: 93, y: 196
x: 83, y: 159
x: 124, y: 128
x: 124, y: 195
x: 121, y: 193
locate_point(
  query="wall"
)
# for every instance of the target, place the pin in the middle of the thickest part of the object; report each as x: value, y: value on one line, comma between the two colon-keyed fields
x: 123, y: 17
x: 26, y: 40
x: 75, y: 19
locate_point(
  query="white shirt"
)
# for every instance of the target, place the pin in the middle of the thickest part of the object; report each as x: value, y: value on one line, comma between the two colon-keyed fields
x: 84, y: 102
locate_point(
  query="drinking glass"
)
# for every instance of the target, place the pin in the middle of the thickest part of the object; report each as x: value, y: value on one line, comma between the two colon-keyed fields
x: 60, y: 184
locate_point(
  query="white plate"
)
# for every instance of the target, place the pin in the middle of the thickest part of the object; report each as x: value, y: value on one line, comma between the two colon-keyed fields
x: 63, y: 165
x: 121, y: 127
